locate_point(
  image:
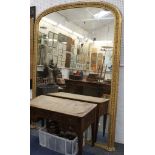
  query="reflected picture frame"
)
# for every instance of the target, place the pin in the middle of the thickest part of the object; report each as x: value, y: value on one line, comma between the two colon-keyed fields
x: 50, y: 35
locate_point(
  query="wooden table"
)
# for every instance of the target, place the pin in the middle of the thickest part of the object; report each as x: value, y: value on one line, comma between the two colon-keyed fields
x: 68, y: 113
x: 78, y: 87
x: 102, y: 105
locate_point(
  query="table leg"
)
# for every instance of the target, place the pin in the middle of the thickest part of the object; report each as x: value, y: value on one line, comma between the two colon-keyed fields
x: 94, y: 133
x: 104, y: 123
x: 80, y: 143
x: 95, y: 130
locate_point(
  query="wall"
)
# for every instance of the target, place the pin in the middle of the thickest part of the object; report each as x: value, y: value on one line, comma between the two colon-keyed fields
x: 62, y: 20
x: 43, y: 5
x: 54, y: 29
x: 105, y: 33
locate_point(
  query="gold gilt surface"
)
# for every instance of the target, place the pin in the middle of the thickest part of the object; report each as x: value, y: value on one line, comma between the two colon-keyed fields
x: 116, y: 59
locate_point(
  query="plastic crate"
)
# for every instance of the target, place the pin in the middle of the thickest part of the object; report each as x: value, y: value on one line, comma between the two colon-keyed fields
x: 58, y: 144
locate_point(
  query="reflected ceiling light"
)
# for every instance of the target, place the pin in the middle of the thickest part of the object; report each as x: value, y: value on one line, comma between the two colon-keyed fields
x: 64, y: 42
x: 86, y: 39
x: 90, y: 40
x: 65, y: 28
x: 78, y: 35
x: 101, y: 14
x: 108, y: 41
x: 50, y: 21
x: 52, y: 40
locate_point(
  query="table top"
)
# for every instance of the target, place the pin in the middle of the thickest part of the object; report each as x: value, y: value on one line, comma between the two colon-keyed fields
x: 64, y: 106
x: 84, y: 98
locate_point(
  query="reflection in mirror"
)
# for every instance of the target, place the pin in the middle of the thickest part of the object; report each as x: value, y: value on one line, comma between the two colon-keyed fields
x: 75, y: 50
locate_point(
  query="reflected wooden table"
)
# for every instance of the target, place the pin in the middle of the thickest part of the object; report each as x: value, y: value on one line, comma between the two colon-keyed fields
x: 78, y: 86
x: 102, y: 105
x: 68, y: 113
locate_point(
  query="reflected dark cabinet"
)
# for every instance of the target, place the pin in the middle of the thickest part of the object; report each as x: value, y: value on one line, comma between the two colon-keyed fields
x: 88, y: 88
x: 45, y: 89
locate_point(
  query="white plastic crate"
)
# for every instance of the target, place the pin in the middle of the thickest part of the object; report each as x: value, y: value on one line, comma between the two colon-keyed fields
x: 58, y: 144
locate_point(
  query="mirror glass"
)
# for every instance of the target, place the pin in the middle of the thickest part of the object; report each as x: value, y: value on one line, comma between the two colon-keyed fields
x: 75, y: 50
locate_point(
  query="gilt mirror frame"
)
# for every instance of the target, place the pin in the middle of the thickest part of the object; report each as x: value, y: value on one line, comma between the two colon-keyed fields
x: 116, y: 59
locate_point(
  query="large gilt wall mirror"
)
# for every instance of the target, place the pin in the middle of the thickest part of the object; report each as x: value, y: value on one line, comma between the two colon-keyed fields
x: 81, y: 37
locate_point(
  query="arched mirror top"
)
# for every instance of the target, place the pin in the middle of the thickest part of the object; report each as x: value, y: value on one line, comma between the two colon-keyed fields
x: 103, y: 5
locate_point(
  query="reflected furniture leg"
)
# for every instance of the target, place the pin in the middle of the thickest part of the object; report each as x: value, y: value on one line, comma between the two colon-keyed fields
x: 95, y: 130
x: 42, y: 122
x: 104, y: 123
x: 94, y: 133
